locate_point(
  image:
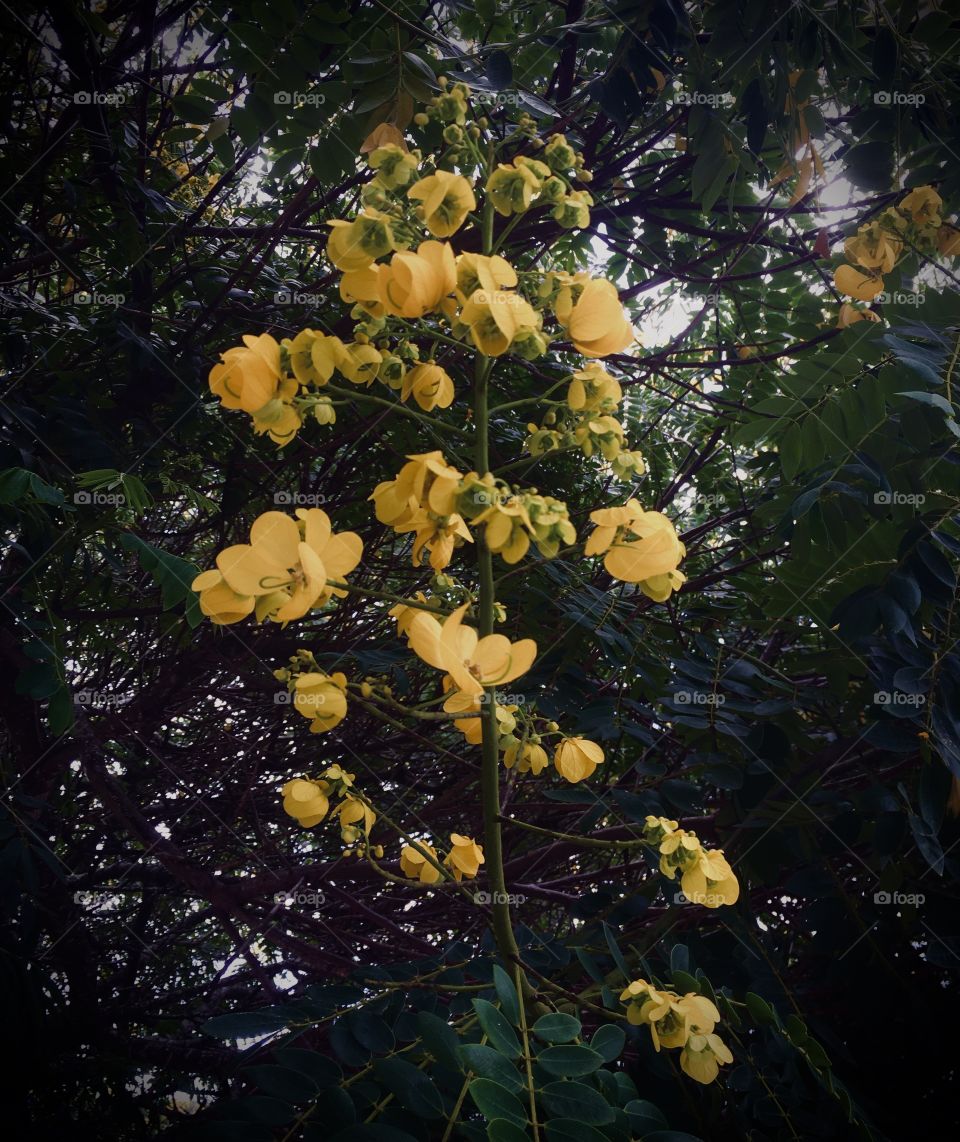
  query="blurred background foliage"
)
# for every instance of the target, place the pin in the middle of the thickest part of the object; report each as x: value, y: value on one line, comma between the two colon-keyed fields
x: 175, y: 954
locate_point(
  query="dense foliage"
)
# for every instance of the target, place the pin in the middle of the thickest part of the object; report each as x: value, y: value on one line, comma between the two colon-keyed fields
x: 178, y: 953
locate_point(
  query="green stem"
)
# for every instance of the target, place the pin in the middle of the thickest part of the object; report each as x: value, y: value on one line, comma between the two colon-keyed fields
x: 396, y: 406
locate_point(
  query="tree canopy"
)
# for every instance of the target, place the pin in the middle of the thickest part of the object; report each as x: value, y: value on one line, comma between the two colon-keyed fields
x: 480, y: 512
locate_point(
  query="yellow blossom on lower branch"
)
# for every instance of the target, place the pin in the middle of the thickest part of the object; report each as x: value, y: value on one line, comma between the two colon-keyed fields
x: 639, y: 547
x: 686, y: 1021
x: 464, y: 858
x: 321, y: 698
x: 306, y: 801
x: 706, y: 877
x: 472, y: 662
x: 577, y: 758
x: 415, y: 865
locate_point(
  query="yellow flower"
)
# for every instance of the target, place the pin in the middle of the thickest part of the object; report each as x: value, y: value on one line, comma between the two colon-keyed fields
x: 627, y: 464
x: 248, y: 377
x: 354, y: 245
x: 496, y: 318
x: 321, y: 698
x: 278, y: 420
x: 451, y: 105
x: 415, y: 283
x: 471, y: 661
x: 287, y: 564
x: 472, y: 727
x: 577, y: 758
x: 558, y: 153
x: 360, y: 363
x: 864, y: 287
x: 849, y: 314
x: 710, y: 880
x: 430, y: 386
x: 465, y: 857
x: 427, y: 480
x: 596, y: 323
x: 874, y: 247
x: 218, y: 601
x: 600, y: 432
x: 478, y: 271
x: 446, y: 200
x: 923, y: 205
x: 679, y: 849
x: 438, y: 534
x: 593, y: 389
x: 394, y: 164
x: 512, y: 188
x: 361, y: 287
x: 528, y: 757
x: 656, y: 828
x: 314, y: 356
x: 703, y: 1055
x: 507, y: 527
x: 641, y: 547
x: 416, y: 866
x: 352, y: 810
x: 573, y: 211
x: 404, y: 613
x: 306, y: 801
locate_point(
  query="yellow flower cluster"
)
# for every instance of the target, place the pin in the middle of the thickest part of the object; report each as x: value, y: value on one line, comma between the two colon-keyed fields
x: 308, y: 802
x: 686, y: 1021
x: 877, y: 246
x: 705, y: 875
x: 463, y: 860
x: 422, y: 500
x: 513, y: 519
x: 288, y: 568
x: 273, y: 381
x: 593, y: 395
x: 524, y: 182
x: 638, y: 547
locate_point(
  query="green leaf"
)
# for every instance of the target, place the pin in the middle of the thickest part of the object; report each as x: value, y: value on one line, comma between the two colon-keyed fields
x: 557, y: 1027
x: 608, y: 1041
x: 439, y: 1038
x: 572, y: 1130
x: 283, y: 1082
x: 490, y: 1064
x: 566, y: 1099
x: 570, y: 1060
x: 759, y: 1009
x: 244, y: 1024
x: 494, y: 1101
x: 412, y: 1088
x: 503, y: 1130
x: 501, y: 1035
x: 507, y: 994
